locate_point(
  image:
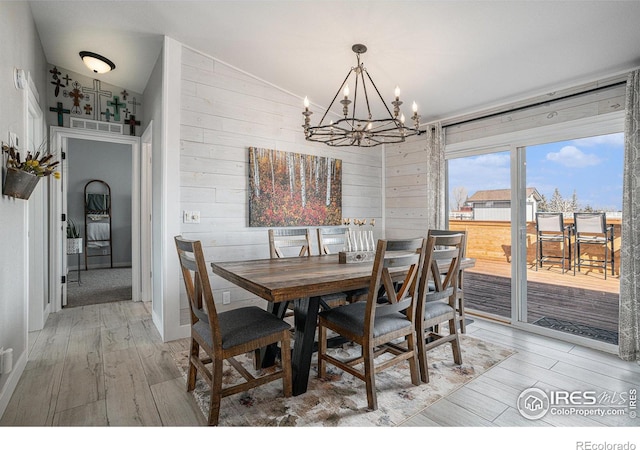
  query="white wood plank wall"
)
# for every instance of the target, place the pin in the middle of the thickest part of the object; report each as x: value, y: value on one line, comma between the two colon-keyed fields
x: 224, y: 112
x: 406, y: 189
x: 592, y: 104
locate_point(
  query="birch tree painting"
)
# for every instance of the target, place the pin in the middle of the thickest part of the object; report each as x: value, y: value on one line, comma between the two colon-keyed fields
x: 292, y: 189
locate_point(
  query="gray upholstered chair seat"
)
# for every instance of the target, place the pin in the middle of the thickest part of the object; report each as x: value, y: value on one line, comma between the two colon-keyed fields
x: 239, y: 326
x: 352, y: 317
x: 436, y: 309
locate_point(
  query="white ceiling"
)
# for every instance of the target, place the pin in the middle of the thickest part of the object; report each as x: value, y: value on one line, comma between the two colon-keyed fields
x: 451, y: 57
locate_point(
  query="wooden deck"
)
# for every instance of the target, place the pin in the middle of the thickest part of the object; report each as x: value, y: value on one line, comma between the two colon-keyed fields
x: 584, y: 299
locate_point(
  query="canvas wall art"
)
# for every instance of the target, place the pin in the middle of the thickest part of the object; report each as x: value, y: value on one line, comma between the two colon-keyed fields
x: 291, y: 189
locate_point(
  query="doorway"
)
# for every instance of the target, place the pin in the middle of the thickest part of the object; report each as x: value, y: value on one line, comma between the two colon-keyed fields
x: 99, y: 257
x: 61, y: 139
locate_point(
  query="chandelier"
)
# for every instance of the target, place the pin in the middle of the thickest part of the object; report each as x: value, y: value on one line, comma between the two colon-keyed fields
x: 362, y: 132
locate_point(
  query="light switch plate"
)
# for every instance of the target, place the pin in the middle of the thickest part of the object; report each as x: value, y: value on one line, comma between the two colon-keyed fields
x: 191, y: 217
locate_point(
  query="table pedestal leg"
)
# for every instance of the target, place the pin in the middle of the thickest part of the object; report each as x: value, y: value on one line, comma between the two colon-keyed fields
x: 306, y: 318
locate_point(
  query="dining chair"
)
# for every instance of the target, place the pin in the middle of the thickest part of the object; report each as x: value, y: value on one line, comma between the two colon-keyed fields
x: 437, y: 298
x: 291, y: 242
x: 223, y: 336
x: 591, y: 229
x: 334, y: 238
x: 285, y: 242
x: 376, y: 325
x: 550, y: 228
x: 462, y: 318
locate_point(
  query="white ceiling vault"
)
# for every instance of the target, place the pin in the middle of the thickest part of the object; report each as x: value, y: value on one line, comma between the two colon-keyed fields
x: 451, y: 57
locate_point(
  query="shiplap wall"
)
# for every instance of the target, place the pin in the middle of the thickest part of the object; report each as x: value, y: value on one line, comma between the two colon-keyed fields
x: 406, y: 190
x: 224, y: 111
x: 552, y: 111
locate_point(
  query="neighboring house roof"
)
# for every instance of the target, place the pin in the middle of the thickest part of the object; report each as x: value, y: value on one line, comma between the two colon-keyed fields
x: 497, y: 195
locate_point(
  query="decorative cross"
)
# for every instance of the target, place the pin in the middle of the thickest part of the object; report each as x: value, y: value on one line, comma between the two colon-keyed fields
x: 134, y: 103
x: 61, y: 111
x: 126, y: 113
x: 76, y: 95
x: 55, y: 72
x: 87, y: 109
x: 67, y: 79
x: 116, y: 107
x: 124, y: 95
x: 132, y: 125
x: 107, y: 115
x: 58, y: 85
x: 97, y: 94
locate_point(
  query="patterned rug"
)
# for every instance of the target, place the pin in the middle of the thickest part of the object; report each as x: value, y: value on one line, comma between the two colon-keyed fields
x: 340, y: 399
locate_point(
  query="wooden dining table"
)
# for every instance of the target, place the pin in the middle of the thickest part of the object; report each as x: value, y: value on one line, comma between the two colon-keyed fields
x: 301, y: 280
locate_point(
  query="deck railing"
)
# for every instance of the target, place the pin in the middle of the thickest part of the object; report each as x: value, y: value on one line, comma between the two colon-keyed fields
x: 491, y: 240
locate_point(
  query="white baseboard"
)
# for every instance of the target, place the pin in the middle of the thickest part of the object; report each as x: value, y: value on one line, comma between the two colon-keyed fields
x: 12, y: 381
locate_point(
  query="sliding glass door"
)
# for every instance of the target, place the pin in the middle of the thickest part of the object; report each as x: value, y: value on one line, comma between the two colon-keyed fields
x: 572, y: 272
x: 553, y: 285
x: 480, y: 204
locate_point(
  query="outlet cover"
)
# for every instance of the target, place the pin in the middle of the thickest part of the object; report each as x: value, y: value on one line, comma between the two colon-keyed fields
x: 226, y: 297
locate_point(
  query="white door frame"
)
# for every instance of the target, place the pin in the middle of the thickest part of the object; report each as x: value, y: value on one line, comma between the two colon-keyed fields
x: 146, y: 228
x: 37, y: 242
x: 58, y: 262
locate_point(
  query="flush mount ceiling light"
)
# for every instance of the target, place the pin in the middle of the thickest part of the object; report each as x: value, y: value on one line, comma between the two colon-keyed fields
x: 97, y: 63
x: 365, y: 131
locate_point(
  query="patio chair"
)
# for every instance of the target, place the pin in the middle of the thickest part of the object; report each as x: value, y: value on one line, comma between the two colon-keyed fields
x: 460, y: 291
x: 550, y: 228
x: 437, y: 298
x: 223, y: 336
x: 377, y: 326
x: 591, y: 229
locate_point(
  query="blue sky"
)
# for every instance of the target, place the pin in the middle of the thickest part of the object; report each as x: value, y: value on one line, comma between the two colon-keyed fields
x: 590, y: 166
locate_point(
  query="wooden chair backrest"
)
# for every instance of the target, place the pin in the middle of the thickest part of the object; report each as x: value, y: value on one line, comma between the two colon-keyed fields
x: 443, y: 250
x: 391, y: 256
x: 281, y: 238
x: 433, y: 232
x: 197, y: 285
x: 330, y: 236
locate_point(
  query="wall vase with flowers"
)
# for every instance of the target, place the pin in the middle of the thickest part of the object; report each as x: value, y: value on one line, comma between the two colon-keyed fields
x: 22, y: 175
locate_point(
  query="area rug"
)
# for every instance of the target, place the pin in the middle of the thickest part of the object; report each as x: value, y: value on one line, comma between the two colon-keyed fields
x: 340, y: 400
x: 579, y: 329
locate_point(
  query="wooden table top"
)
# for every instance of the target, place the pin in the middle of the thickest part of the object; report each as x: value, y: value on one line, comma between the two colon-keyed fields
x: 284, y: 279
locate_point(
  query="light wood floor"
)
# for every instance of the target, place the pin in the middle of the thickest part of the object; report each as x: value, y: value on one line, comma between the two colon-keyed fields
x: 105, y: 365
